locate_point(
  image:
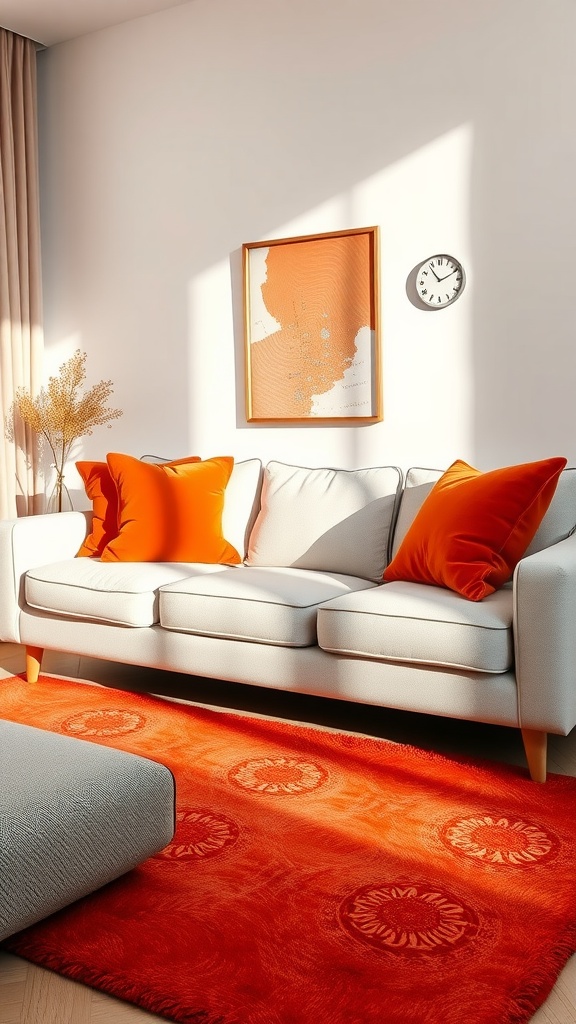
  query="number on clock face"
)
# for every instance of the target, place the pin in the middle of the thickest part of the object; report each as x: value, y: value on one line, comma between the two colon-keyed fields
x: 439, y: 281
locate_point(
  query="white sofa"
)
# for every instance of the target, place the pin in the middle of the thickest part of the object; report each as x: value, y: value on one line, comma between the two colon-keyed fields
x: 307, y: 610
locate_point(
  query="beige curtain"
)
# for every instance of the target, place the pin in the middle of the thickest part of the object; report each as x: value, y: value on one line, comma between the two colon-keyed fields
x: 21, y: 336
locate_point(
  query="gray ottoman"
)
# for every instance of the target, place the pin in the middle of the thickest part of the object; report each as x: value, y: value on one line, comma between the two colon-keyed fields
x: 73, y: 816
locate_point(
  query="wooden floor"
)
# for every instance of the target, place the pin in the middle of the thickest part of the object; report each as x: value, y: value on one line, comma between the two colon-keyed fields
x: 32, y: 995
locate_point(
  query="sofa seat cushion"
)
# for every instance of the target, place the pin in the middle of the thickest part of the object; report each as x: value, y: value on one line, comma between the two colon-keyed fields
x: 264, y: 605
x: 125, y: 593
x: 423, y: 624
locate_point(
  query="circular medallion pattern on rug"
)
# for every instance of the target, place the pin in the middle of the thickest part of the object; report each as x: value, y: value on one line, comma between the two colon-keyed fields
x: 500, y: 841
x: 408, y: 918
x: 103, y: 722
x: 200, y: 832
x: 278, y: 776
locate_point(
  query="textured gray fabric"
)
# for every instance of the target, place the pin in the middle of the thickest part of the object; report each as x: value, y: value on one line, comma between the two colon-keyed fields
x: 421, y: 624
x: 262, y: 604
x: 74, y: 815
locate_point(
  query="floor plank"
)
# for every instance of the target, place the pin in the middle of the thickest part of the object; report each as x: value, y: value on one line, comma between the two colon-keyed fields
x: 13, y: 973
x: 51, y: 999
x: 105, y: 1010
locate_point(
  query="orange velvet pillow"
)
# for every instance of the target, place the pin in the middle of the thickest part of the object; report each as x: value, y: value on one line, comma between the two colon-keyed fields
x: 474, y: 527
x: 170, y: 513
x: 101, y: 490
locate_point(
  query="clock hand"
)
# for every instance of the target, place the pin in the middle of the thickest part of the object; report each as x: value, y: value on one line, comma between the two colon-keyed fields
x: 446, y: 275
x: 435, y: 275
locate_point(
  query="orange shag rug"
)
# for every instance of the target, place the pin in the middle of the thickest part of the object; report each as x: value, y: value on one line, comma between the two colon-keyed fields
x: 316, y: 877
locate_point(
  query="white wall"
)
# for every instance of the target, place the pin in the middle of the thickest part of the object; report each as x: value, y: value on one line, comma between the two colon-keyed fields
x: 169, y: 141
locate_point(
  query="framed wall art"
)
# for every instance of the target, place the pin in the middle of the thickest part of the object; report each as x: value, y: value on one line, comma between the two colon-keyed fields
x: 312, y: 342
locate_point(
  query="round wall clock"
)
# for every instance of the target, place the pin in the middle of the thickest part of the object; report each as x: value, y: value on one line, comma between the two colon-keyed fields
x: 439, y: 281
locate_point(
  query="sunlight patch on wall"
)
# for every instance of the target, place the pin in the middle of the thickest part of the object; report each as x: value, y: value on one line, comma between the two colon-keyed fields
x: 422, y: 203
x: 330, y: 215
x: 58, y: 352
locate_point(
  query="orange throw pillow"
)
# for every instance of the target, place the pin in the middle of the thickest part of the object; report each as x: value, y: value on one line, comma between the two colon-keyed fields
x: 474, y: 527
x: 170, y: 513
x: 101, y: 490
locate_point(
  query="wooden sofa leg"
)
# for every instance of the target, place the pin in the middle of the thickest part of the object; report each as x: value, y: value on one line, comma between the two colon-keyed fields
x: 535, y: 747
x: 33, y: 663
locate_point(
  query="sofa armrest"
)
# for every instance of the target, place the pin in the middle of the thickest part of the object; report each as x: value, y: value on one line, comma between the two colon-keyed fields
x: 545, y: 638
x: 29, y: 542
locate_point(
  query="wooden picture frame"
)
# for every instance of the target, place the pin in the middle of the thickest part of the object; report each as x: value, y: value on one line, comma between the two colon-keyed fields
x: 312, y: 328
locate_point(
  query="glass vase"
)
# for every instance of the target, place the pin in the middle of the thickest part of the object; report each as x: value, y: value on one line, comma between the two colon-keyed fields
x: 59, y: 499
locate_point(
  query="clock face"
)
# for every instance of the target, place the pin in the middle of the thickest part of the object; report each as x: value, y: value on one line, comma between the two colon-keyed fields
x: 439, y: 281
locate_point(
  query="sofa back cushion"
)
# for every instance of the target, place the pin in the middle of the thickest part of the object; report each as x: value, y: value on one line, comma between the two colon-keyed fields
x: 241, y: 503
x: 417, y: 486
x: 558, y: 522
x: 560, y: 519
x: 331, y: 520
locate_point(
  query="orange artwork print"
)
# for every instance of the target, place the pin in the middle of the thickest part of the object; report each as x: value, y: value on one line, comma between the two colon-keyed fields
x: 311, y: 325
